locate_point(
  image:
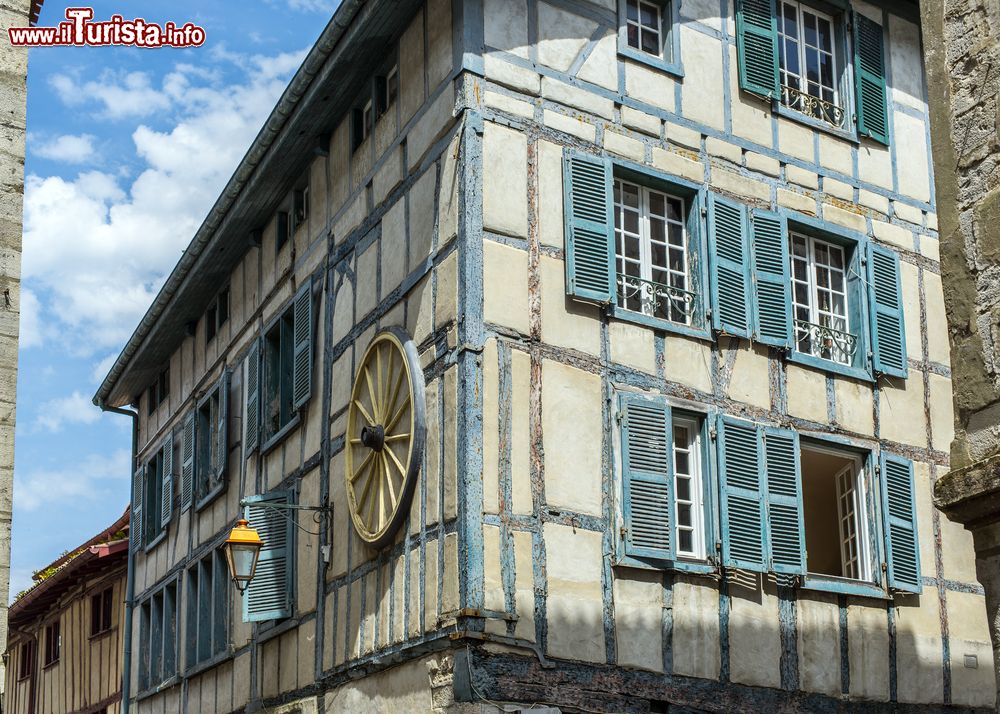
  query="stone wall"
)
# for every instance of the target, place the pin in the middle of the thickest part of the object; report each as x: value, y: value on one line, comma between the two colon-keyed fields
x: 13, y: 106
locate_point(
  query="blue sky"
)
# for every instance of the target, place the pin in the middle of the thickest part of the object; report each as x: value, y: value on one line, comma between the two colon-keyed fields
x: 127, y: 149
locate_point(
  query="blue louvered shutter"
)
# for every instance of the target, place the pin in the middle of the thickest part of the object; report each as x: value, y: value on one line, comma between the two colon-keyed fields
x: 729, y: 255
x: 646, y: 478
x: 251, y: 412
x: 269, y: 595
x: 135, y: 534
x: 590, y: 227
x: 302, y: 338
x: 167, y: 483
x: 188, y: 459
x: 900, y: 518
x: 785, y: 526
x: 741, y: 495
x: 886, y: 309
x: 869, y: 79
x: 757, y: 46
x: 222, y: 428
x: 771, y: 283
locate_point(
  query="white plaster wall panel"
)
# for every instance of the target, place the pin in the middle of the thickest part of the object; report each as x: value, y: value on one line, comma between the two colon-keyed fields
x: 801, y: 202
x: 306, y: 545
x: 740, y: 186
x: 411, y: 68
x: 893, y: 234
x: 524, y: 586
x: 925, y: 516
x: 919, y: 673
x: 384, y: 605
x: 448, y: 194
x: 906, y: 85
x: 956, y: 542
x: 868, y: 651
x: 387, y: 176
x: 505, y: 286
x: 450, y: 455
x: 854, y: 403
x: 624, y: 146
x: 439, y: 48
x: 572, y: 434
x: 641, y: 121
x: 687, y: 361
x: 419, y: 310
x: 340, y: 153
x: 632, y: 345
x: 328, y: 632
x: 562, y: 35
x: 677, y: 165
x: 511, y: 75
x: 707, y: 13
x: 750, y: 382
x: 577, y: 98
x: 754, y: 641
x: 449, y: 587
x: 394, y: 246
x: 350, y: 219
x: 366, y: 282
x: 506, y: 25
x: 575, y: 125
x: 520, y: 442
x: 817, y: 619
x: 906, y: 212
x: 724, y: 150
x: 938, y: 347
x: 399, y: 604
x: 446, y: 305
x: 508, y: 104
x: 806, y: 393
x: 751, y: 116
x: 398, y: 690
x: 550, y: 193
x: 566, y: 322
x: 414, y: 605
x: 493, y: 597
x: 431, y: 126
x: 505, y: 189
x: 287, y: 662
x: 682, y: 136
x: 942, y: 412
x: 491, y: 429
x: 875, y: 164
x: 421, y: 208
x: 385, y: 133
x: 802, y: 177
x: 851, y: 219
x: 695, y: 643
x: 340, y: 648
x: 638, y: 602
x: 701, y: 98
x: 930, y: 246
x: 574, y: 561
x: 432, y: 453
x: 874, y: 201
x: 601, y: 67
x: 795, y: 139
x: 912, y: 320
x: 912, y: 161
x: 969, y: 638
x: 762, y: 164
x: 430, y: 585
x: 648, y: 86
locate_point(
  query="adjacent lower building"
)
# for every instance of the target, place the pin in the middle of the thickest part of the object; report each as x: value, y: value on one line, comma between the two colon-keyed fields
x: 64, y: 653
x: 579, y: 353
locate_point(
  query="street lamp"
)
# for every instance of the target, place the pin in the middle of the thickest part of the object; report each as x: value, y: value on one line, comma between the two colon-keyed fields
x: 242, y: 549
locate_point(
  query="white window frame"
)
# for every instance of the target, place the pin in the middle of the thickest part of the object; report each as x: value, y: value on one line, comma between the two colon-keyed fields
x: 696, y: 477
x: 813, y: 288
x: 859, y: 519
x: 661, y: 13
x: 803, y: 49
x: 646, y: 267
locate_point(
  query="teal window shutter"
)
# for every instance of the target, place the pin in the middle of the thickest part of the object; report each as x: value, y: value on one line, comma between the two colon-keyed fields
x: 757, y: 46
x: 771, y: 284
x: 135, y: 524
x: 899, y: 510
x: 167, y: 484
x: 741, y: 495
x: 885, y: 296
x: 269, y: 595
x: 302, y: 338
x: 869, y: 79
x: 252, y: 408
x: 647, y: 477
x: 590, y: 227
x: 222, y: 428
x: 784, y: 501
x: 188, y: 459
x: 729, y: 255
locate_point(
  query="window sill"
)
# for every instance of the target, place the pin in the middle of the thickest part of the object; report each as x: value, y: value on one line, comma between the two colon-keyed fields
x: 278, y: 628
x: 207, y: 664
x: 50, y: 665
x: 273, y: 441
x: 156, y: 541
x: 844, y: 587
x: 151, y: 691
x: 657, y: 323
x: 674, y: 68
x: 695, y: 567
x: 210, y: 497
x: 826, y: 365
x: 101, y: 635
x: 846, y: 134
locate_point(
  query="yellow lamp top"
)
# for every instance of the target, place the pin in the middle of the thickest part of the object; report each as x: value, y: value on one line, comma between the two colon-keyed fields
x: 244, y: 535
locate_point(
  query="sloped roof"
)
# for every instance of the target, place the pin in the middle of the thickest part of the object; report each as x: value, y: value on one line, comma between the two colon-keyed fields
x: 36, y: 8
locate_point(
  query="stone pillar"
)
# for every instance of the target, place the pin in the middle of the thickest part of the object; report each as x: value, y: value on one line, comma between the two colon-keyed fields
x: 962, y: 54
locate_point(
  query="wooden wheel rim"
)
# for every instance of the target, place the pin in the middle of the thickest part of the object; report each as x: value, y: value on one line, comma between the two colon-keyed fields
x: 385, y: 436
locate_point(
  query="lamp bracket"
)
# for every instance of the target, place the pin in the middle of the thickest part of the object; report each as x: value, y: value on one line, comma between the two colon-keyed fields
x: 285, y: 506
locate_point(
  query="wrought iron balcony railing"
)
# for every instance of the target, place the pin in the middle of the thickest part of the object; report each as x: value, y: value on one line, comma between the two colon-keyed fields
x: 813, y: 106
x: 827, y: 342
x: 658, y: 299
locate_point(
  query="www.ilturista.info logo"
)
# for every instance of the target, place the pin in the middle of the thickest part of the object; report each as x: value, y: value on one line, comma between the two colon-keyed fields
x: 79, y: 30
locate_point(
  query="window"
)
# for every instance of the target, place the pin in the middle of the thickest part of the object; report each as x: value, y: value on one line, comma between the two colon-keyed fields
x: 212, y: 445
x: 158, y: 628
x: 644, y: 26
x: 217, y: 314
x: 807, y: 62
x: 646, y: 33
x: 662, y: 485
x: 282, y: 229
x: 820, y: 299
x: 53, y: 643
x: 651, y: 253
x: 392, y: 86
x: 26, y: 657
x: 269, y: 595
x: 300, y: 206
x: 835, y: 512
x: 278, y: 354
x: 158, y: 391
x: 208, y: 588
x: 101, y: 605
x: 154, y: 497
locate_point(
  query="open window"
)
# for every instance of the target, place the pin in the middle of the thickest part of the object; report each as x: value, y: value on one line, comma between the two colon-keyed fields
x: 212, y: 445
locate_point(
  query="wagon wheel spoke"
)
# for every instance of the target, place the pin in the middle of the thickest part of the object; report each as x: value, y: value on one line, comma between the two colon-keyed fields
x: 396, y: 460
x: 395, y: 417
x: 364, y: 412
x: 371, y: 392
x: 397, y: 437
x: 363, y: 499
x: 357, y: 473
x: 374, y: 497
x: 389, y: 484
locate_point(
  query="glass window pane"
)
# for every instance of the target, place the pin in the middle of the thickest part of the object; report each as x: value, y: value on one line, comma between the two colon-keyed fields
x: 648, y: 15
x: 685, y: 541
x: 682, y: 462
x: 675, y: 209
x: 684, y: 514
x: 824, y: 35
x: 650, y: 42
x: 812, y: 67
x: 676, y: 235
x: 809, y: 28
x: 677, y: 260
x: 658, y: 256
x: 656, y: 232
x: 656, y: 202
x: 631, y: 221
x: 633, y: 36
x: 684, y: 489
x: 826, y: 70
x: 632, y: 248
x: 630, y: 194
x: 632, y: 10
x: 791, y: 21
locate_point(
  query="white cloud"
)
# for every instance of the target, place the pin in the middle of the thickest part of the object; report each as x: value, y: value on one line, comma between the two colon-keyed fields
x: 67, y: 148
x: 121, y: 95
x: 91, y: 479
x: 74, y: 409
x: 102, y: 368
x: 97, y: 248
x: 327, y: 6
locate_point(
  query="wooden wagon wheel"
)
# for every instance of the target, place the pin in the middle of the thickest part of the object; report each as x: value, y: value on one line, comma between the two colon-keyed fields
x: 385, y: 436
